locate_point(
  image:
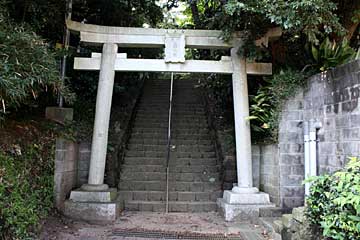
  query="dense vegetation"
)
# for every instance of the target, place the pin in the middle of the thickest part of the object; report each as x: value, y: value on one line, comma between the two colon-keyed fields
x: 26, y: 176
x: 334, y: 202
x: 28, y: 67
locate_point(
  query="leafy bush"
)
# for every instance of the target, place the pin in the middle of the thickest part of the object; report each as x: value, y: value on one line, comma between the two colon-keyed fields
x: 331, y: 54
x: 261, y: 110
x: 334, y: 202
x: 28, y: 66
x: 26, y: 189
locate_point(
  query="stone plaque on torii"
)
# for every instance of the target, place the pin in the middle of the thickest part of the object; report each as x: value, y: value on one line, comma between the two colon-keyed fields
x: 234, y: 202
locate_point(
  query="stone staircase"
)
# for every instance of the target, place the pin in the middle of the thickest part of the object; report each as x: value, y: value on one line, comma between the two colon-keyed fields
x: 194, y: 182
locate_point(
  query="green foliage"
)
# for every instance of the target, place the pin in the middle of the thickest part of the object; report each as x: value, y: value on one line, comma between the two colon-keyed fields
x: 331, y: 54
x: 28, y: 66
x: 26, y: 189
x: 261, y: 110
x: 334, y: 202
x: 266, y: 105
x: 314, y: 18
x: 311, y: 17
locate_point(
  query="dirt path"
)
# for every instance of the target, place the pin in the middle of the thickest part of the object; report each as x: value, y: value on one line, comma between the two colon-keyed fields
x: 148, y: 225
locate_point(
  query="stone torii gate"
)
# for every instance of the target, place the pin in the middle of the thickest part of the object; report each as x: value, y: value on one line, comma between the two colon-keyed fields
x: 244, y: 194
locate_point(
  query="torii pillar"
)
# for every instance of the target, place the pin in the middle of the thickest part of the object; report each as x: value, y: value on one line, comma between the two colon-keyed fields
x: 95, y: 201
x: 102, y: 118
x: 244, y: 200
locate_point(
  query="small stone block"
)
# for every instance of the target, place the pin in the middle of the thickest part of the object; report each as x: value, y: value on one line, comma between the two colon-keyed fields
x: 240, y: 212
x: 246, y: 198
x: 299, y: 214
x: 80, y: 195
x: 92, y: 212
x: 286, y: 220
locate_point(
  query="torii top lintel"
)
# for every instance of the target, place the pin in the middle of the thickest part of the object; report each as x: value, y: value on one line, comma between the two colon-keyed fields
x: 152, y: 37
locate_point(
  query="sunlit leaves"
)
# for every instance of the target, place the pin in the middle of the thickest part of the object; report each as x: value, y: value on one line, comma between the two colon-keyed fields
x: 334, y: 202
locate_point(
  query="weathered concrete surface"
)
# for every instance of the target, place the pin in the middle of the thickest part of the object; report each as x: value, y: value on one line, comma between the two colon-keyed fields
x: 96, y: 212
x: 58, y: 114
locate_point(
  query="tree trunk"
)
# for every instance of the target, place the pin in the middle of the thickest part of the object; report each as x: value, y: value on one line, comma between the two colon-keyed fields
x: 348, y: 10
x: 195, y: 14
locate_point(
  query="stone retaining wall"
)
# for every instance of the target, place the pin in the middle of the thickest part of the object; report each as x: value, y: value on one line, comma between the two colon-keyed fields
x: 333, y: 99
x: 66, y: 170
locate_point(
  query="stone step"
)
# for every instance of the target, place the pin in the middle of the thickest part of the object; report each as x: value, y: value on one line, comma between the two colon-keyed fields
x: 164, y: 124
x: 175, y: 118
x: 174, y: 206
x: 173, y: 186
x: 194, y: 179
x: 173, y: 196
x: 165, y: 108
x: 176, y: 129
x: 173, y: 169
x: 273, y: 226
x: 174, y: 148
x: 175, y: 112
x: 161, y: 116
x: 177, y: 136
x: 163, y: 154
x: 128, y: 175
x: 161, y: 130
x: 178, y: 118
x: 173, y: 162
x: 175, y: 122
x: 135, y: 140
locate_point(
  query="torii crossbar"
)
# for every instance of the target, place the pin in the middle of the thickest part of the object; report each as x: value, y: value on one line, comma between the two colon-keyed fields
x: 175, y: 41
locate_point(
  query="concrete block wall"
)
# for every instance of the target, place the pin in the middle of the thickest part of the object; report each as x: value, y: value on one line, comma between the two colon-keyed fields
x: 265, y: 164
x: 332, y: 98
x: 83, y: 163
x: 269, y: 171
x: 65, y: 178
x: 291, y: 153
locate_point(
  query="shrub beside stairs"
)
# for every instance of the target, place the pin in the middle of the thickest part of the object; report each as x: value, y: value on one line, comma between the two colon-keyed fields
x: 194, y: 179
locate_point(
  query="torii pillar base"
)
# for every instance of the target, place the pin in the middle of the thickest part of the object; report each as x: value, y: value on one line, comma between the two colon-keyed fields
x: 93, y: 206
x: 243, y: 204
